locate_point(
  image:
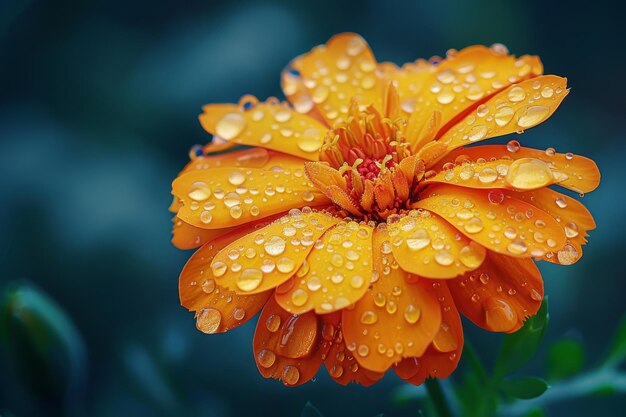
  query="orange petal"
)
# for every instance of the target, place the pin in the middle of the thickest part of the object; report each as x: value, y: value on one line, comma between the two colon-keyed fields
x: 290, y: 347
x: 218, y: 309
x: 268, y: 125
x: 513, y: 167
x: 408, y: 80
x: 463, y: 80
x: 570, y: 213
x: 186, y: 236
x: 344, y: 368
x: 519, y: 107
x: 500, y: 294
x: 336, y: 73
x: 442, y: 356
x: 498, y: 222
x: 394, y: 319
x: 246, y: 158
x: 337, y: 272
x: 224, y: 197
x: 426, y: 245
x: 268, y: 257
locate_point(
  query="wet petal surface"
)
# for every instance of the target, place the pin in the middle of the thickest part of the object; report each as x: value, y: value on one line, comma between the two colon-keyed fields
x: 500, y: 294
x: 443, y: 355
x: 268, y: 257
x: 394, y: 319
x: 343, y: 367
x: 336, y: 274
x: 270, y: 125
x: 426, y: 245
x: 498, y: 222
x: 335, y: 74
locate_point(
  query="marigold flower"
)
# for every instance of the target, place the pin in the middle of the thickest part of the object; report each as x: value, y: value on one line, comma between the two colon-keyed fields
x: 361, y: 224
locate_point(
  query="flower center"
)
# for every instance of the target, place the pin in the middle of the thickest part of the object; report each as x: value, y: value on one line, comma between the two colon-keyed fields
x: 366, y: 166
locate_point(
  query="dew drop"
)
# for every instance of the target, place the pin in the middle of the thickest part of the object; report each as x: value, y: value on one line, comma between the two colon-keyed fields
x: 412, y: 314
x: 249, y: 279
x: 529, y: 174
x: 266, y: 358
x: 532, y: 116
x: 208, y: 320
x: 230, y: 126
x: 275, y: 245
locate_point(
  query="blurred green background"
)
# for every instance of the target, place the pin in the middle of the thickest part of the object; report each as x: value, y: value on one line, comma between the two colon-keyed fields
x: 98, y: 108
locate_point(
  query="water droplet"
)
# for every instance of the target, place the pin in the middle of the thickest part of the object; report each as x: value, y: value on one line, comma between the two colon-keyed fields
x: 473, y: 225
x: 285, y: 264
x: 275, y: 245
x: 516, y: 94
x: 571, y: 229
x: 419, y: 239
x: 336, y: 371
x: 200, y: 191
x: 476, y: 133
x: 532, y: 116
x: 310, y: 140
x: 230, y: 126
x: 208, y: 286
x: 503, y: 116
x: 445, y: 97
x: 412, y: 314
x: 249, y: 279
x: 499, y: 314
x: 561, y: 202
x: 369, y: 317
x: 299, y: 297
x: 236, y: 178
x: 208, y: 320
x: 567, y: 255
x: 355, y: 46
x: 529, y: 174
x: 487, y: 175
x: 357, y: 281
x: 512, y: 146
x: 472, y: 255
x: 363, y: 350
x: 517, y: 247
x: 444, y: 258
x: 273, y: 323
x: 218, y: 268
x: 266, y: 358
x: 495, y: 196
x: 239, y: 313
x: 290, y: 375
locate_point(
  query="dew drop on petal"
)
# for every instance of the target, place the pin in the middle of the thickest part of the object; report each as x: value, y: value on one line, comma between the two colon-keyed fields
x: 208, y: 320
x: 230, y: 126
x: 249, y: 279
x: 528, y: 174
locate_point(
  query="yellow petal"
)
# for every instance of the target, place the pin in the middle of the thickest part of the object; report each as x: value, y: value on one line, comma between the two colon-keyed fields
x: 502, y: 224
x: 428, y: 246
x: 268, y: 257
x: 519, y: 107
x: 571, y: 214
x: 465, y: 79
x: 217, y: 308
x: 268, y: 125
x: 394, y: 319
x: 514, y: 167
x: 246, y: 158
x: 336, y: 73
x: 500, y: 294
x: 336, y: 274
x: 225, y: 197
x: 186, y: 236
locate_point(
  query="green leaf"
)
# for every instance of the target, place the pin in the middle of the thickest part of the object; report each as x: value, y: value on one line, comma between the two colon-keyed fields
x: 535, y: 412
x: 42, y: 344
x: 524, y: 388
x: 310, y: 410
x: 517, y: 348
x: 617, y: 351
x: 565, y: 358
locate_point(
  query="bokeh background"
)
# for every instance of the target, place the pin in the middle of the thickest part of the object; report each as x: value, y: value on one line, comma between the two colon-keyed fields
x: 98, y: 108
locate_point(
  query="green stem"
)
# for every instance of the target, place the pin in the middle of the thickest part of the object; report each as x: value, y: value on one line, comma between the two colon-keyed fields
x: 438, y: 397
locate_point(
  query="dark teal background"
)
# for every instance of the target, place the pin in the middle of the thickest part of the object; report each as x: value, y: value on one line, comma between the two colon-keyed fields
x: 98, y: 108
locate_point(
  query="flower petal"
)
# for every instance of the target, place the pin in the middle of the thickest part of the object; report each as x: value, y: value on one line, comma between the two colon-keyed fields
x: 444, y: 353
x: 462, y: 81
x: 289, y: 347
x: 494, y: 166
x: 336, y: 274
x: 519, y: 107
x: 498, y: 222
x: 570, y: 213
x: 335, y: 74
x: 217, y: 309
x: 246, y: 158
x: 394, y: 319
x: 268, y: 257
x: 268, y: 125
x: 500, y: 294
x: 343, y: 367
x: 427, y: 245
x: 225, y: 197
x: 186, y: 236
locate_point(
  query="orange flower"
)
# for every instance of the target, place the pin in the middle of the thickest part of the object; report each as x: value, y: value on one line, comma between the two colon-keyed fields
x: 360, y: 224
